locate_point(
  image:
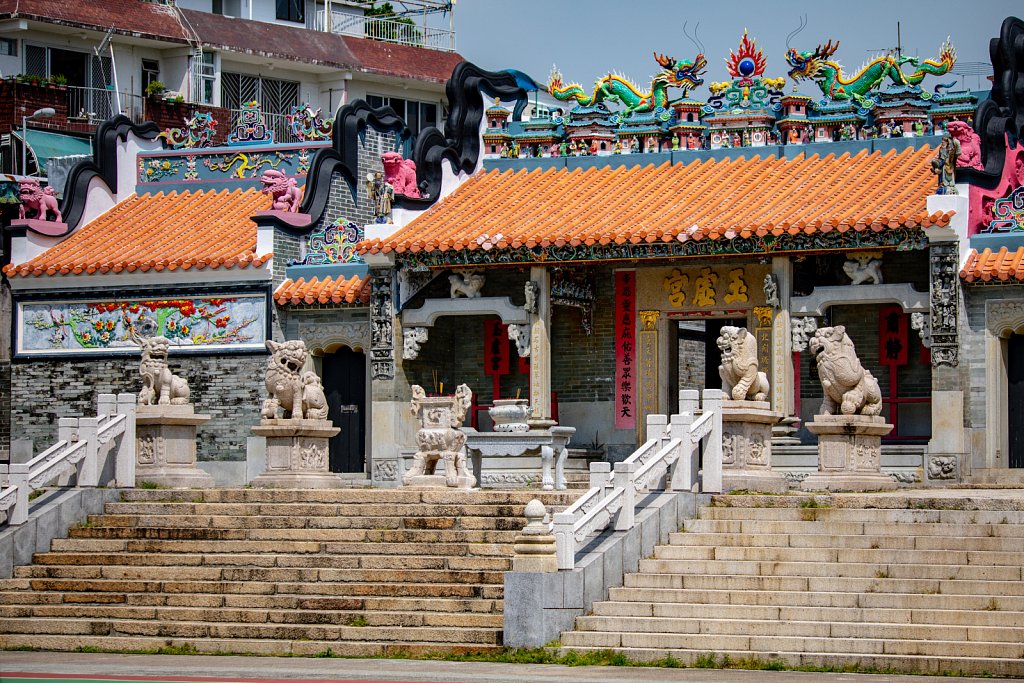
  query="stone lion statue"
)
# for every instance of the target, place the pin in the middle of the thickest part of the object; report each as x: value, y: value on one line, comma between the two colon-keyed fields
x: 467, y: 284
x: 37, y: 202
x: 400, y: 174
x: 160, y: 386
x: 970, y: 145
x: 849, y: 388
x: 284, y: 190
x: 864, y: 267
x: 298, y: 396
x: 741, y: 380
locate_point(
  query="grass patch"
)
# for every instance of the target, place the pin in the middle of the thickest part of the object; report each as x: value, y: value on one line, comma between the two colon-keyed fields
x: 32, y: 495
x: 149, y: 485
x: 358, y: 620
x: 813, y: 503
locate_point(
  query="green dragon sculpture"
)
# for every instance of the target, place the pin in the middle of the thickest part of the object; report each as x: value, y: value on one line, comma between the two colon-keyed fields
x: 684, y: 74
x: 817, y: 66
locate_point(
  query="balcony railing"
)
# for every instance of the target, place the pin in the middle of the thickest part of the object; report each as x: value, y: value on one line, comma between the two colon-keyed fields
x: 92, y: 105
x: 388, y: 30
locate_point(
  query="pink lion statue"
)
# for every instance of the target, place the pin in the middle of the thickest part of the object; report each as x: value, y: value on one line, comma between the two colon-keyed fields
x: 400, y: 174
x: 970, y: 145
x: 284, y: 190
x: 37, y: 202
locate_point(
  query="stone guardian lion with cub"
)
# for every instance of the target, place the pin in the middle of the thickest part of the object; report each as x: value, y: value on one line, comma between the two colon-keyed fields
x: 849, y: 388
x: 741, y: 380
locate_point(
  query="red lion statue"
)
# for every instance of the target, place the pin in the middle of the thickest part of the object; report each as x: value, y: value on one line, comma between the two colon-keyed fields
x: 284, y: 190
x: 400, y: 174
x: 38, y: 201
x: 970, y: 145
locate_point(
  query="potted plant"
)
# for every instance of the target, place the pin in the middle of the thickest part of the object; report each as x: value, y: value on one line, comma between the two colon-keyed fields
x: 60, y: 81
x: 155, y: 89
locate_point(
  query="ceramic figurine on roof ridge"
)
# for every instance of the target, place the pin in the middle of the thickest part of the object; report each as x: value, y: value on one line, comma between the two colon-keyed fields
x: 382, y: 195
x: 683, y: 74
x: 400, y: 173
x: 828, y: 74
x: 38, y: 201
x: 251, y: 129
x: 307, y: 124
x: 969, y: 143
x: 284, y: 190
x: 198, y: 131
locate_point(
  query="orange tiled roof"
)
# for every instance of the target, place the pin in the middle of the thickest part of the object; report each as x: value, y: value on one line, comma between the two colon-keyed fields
x: 1002, y: 265
x: 354, y: 290
x: 709, y: 199
x: 159, y: 232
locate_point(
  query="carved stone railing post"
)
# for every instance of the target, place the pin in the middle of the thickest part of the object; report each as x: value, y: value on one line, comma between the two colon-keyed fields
x: 624, y: 478
x: 684, y: 472
x: 712, y: 479
x: 124, y: 462
x: 534, y: 546
x: 89, y: 470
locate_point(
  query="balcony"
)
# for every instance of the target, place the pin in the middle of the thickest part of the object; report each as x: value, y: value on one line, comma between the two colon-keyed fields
x: 92, y: 105
x: 386, y: 30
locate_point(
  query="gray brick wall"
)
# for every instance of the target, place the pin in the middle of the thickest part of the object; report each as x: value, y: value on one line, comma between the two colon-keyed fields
x: 972, y: 346
x: 227, y: 387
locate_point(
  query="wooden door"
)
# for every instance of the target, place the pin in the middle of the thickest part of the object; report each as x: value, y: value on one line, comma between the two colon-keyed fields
x: 344, y: 377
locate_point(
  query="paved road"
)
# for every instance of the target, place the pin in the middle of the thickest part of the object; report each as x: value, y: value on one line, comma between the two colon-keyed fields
x: 16, y: 667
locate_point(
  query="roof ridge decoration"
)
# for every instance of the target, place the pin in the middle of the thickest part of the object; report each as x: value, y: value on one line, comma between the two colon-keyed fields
x: 102, y: 166
x: 1002, y: 114
x: 683, y: 74
x: 749, y: 89
x: 459, y: 145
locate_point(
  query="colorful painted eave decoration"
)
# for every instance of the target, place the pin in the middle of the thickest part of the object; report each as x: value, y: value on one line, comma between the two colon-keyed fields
x: 235, y: 322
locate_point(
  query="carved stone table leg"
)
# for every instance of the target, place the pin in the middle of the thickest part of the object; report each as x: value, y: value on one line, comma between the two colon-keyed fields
x: 547, y: 481
x: 560, y: 442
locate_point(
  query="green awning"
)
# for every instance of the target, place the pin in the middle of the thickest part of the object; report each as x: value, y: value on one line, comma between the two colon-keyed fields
x: 45, y: 145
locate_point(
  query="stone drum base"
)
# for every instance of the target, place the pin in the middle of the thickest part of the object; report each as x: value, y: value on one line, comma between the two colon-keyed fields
x: 849, y: 454
x: 165, y: 446
x: 747, y: 447
x: 297, y: 454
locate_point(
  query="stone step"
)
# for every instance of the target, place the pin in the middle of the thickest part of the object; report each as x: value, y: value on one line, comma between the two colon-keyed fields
x: 822, y: 537
x: 379, y: 546
x: 831, y: 661
x: 25, y: 598
x: 199, y: 629
x: 787, y: 613
x: 253, y: 615
x: 96, y: 540
x: 349, y: 496
x: 877, y: 528
x: 241, y: 646
x: 907, y: 499
x: 802, y: 598
x: 324, y: 588
x: 185, y: 521
x: 828, y: 568
x: 435, y: 514
x: 844, y: 555
x: 257, y: 574
x: 822, y: 584
x: 868, y: 630
x: 867, y: 515
x: 767, y: 643
x: 79, y: 557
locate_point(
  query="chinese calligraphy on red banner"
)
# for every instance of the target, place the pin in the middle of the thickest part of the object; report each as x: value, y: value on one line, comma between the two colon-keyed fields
x: 625, y: 349
x: 496, y: 348
x: 893, y: 338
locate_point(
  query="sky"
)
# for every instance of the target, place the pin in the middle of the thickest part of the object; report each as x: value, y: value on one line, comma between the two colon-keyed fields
x: 587, y: 39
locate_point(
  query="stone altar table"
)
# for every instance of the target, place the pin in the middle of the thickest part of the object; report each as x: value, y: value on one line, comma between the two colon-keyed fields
x: 521, y: 458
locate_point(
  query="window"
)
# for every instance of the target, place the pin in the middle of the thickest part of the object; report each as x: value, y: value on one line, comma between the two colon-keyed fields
x: 150, y: 72
x: 204, y: 73
x: 417, y: 115
x: 8, y: 47
x: 291, y: 10
x: 275, y: 96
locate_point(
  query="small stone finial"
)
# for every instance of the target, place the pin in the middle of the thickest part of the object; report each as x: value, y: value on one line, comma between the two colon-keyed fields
x: 534, y: 545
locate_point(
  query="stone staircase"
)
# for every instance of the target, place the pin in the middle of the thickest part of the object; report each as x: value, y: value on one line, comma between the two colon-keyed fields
x: 356, y: 572
x: 926, y: 582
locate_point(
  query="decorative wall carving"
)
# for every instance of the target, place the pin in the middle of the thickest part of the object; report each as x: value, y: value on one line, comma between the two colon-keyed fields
x: 649, y: 319
x: 942, y: 467
x: 771, y: 290
x: 385, y: 470
x: 323, y: 337
x: 466, y: 283
x: 802, y: 329
x: 574, y: 287
x: 412, y: 339
x: 382, y: 343
x: 864, y: 267
x: 531, y: 290
x: 945, y: 305
x: 922, y: 323
x: 1004, y: 317
x: 520, y: 334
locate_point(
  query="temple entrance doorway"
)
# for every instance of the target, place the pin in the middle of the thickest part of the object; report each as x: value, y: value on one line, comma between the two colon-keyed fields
x: 1015, y: 399
x: 344, y: 378
x: 697, y: 355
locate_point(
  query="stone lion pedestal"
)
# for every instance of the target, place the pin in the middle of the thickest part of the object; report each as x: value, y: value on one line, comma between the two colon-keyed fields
x: 165, y: 446
x: 849, y: 454
x: 297, y: 454
x: 747, y: 447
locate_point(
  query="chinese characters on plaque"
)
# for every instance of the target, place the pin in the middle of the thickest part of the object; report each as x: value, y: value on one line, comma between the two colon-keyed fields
x: 625, y: 349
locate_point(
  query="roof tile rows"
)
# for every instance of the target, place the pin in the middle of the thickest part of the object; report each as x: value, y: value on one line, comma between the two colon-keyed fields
x: 354, y: 290
x: 1003, y: 265
x: 159, y: 232
x: 152, y: 20
x: 701, y: 200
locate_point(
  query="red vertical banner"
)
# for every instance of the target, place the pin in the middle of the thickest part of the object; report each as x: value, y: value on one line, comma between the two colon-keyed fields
x: 625, y: 349
x: 893, y: 338
x: 496, y: 348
